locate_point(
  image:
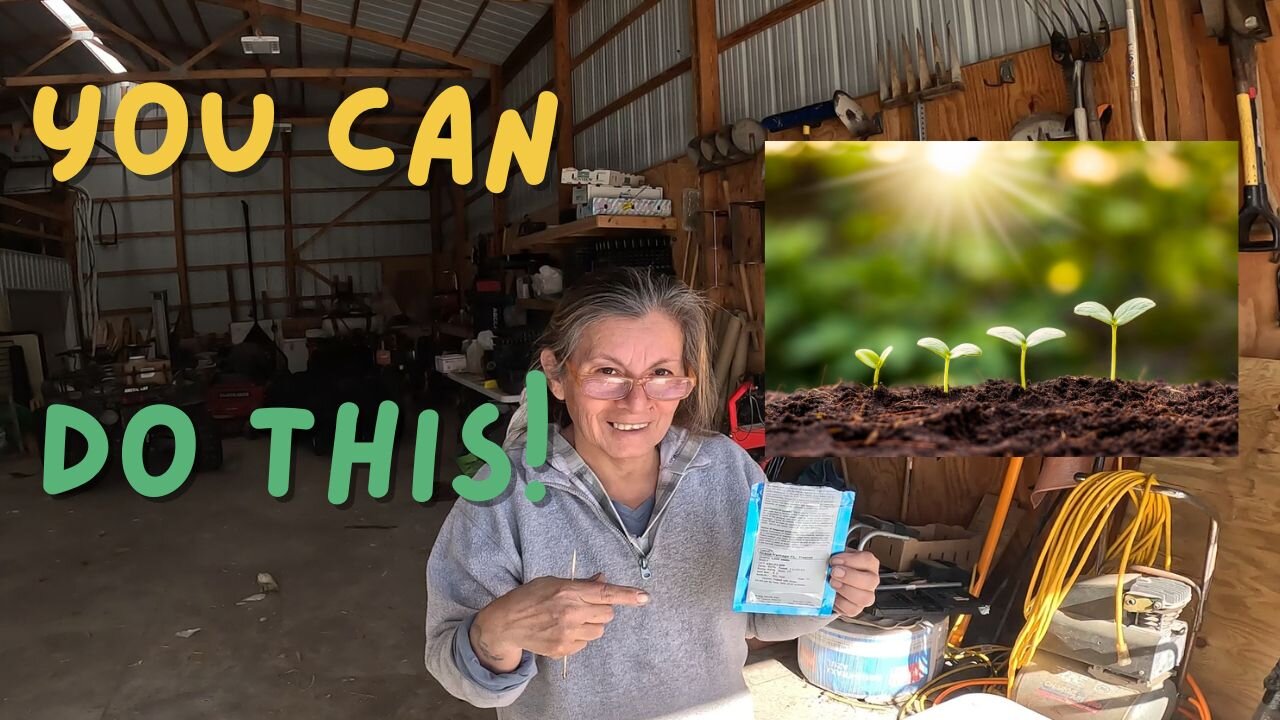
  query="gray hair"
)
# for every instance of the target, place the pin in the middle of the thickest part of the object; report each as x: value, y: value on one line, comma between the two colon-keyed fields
x: 634, y: 293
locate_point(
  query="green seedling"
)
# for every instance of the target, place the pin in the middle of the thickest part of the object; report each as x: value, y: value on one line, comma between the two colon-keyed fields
x: 873, y: 361
x: 1016, y: 338
x: 1129, y: 310
x: 939, y: 348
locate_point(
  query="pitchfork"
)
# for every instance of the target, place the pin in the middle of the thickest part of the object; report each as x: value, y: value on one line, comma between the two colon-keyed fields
x: 1091, y: 45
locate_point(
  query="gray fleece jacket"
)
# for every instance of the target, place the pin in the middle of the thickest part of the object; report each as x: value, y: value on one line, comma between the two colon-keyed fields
x: 680, y: 656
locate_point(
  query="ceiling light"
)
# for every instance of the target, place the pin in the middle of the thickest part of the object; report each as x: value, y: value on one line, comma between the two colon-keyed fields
x: 260, y: 44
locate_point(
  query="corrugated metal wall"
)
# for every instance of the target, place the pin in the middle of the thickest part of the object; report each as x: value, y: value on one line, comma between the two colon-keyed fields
x: 831, y: 46
x: 208, y: 253
x: 523, y: 199
x: 656, y: 126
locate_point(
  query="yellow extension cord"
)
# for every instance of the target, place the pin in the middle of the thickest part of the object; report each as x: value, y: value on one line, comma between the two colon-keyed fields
x: 1069, y: 550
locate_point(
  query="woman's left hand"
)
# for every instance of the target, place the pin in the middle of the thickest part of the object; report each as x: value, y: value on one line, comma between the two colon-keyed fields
x: 855, y: 575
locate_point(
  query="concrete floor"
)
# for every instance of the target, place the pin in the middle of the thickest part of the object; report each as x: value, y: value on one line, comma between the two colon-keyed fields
x: 95, y: 585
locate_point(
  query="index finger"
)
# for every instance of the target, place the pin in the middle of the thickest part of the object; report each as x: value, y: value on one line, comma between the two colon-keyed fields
x: 602, y: 593
x: 857, y: 560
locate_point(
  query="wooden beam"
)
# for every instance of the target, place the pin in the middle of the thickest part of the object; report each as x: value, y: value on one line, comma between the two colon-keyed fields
x: 216, y: 43
x: 644, y: 88
x: 475, y: 18
x: 460, y: 234
x: 706, y: 105
x: 764, y: 22
x: 404, y: 37
x: 499, y: 199
x: 180, y: 244
x: 206, y: 38
x: 193, y: 232
x: 352, y: 208
x: 319, y: 275
x: 244, y: 265
x: 48, y: 56
x: 346, y: 55
x: 247, y: 73
x: 29, y: 208
x: 612, y: 32
x: 28, y: 232
x: 437, y: 217
x: 290, y: 254
x: 121, y: 32
x: 297, y: 39
x: 563, y: 75
x: 360, y: 33
x: 706, y: 66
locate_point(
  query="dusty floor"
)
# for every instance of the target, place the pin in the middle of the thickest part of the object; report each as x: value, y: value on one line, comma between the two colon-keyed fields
x: 95, y: 586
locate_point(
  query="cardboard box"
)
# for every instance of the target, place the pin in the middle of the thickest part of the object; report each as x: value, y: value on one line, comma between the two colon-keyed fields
x: 625, y: 206
x: 293, y: 328
x: 606, y: 177
x: 451, y: 362
x: 146, y: 372
x: 585, y: 193
x: 574, y: 176
x: 936, y: 542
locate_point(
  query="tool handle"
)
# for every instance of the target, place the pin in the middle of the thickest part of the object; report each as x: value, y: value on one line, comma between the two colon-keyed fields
x: 1256, y: 209
x: 1081, y: 120
x: 1250, y: 143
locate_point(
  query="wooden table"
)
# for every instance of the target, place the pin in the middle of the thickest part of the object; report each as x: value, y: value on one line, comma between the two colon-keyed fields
x: 476, y: 383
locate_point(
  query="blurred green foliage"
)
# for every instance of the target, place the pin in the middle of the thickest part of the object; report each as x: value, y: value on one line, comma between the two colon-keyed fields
x: 876, y: 244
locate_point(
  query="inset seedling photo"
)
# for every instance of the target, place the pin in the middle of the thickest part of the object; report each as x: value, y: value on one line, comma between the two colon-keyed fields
x: 969, y: 298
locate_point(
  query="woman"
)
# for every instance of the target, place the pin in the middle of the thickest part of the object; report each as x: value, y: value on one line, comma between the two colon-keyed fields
x: 651, y: 503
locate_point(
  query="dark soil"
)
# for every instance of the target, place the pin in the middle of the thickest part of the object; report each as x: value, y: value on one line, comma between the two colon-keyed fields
x: 1064, y: 416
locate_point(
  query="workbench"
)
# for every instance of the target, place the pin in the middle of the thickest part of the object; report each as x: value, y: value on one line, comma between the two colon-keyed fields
x: 476, y: 383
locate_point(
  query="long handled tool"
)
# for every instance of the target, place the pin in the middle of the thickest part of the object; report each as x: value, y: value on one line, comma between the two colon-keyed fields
x: 922, y: 82
x: 989, y: 544
x: 1247, y: 24
x: 1091, y: 43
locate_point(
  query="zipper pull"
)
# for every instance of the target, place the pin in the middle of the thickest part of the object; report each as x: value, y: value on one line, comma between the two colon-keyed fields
x: 644, y: 568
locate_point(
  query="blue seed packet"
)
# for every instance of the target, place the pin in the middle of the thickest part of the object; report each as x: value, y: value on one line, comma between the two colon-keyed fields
x: 791, y: 533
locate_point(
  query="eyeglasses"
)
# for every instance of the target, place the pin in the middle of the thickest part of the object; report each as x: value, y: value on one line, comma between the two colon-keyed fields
x: 617, y: 387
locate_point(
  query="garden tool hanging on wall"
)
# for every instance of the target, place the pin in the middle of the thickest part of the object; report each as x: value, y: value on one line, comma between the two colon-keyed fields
x: 1078, y: 55
x: 1242, y: 24
x: 920, y: 80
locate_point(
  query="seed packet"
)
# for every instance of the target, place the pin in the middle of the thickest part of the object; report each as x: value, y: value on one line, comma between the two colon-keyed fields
x: 791, y: 533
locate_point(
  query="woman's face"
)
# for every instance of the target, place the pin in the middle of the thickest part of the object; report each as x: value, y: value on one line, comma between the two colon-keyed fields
x: 629, y: 347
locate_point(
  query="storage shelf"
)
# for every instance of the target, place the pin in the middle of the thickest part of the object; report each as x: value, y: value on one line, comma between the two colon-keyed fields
x: 594, y: 226
x: 457, y: 331
x: 538, y: 304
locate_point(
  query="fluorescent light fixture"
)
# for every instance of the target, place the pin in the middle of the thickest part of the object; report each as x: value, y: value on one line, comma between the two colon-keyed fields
x: 81, y: 32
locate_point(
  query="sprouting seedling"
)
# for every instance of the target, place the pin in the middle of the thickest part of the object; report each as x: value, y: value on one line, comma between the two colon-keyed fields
x: 939, y: 348
x: 1127, y: 311
x: 1017, y: 339
x: 873, y: 361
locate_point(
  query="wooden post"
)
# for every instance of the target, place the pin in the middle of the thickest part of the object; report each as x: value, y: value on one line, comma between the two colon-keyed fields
x: 290, y: 272
x: 495, y: 113
x: 561, y: 13
x: 71, y: 251
x: 180, y: 251
x: 706, y: 102
x: 437, y: 243
x: 460, y: 236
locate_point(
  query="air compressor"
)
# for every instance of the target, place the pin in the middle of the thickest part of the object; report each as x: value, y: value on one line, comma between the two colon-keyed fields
x: 1079, y: 670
